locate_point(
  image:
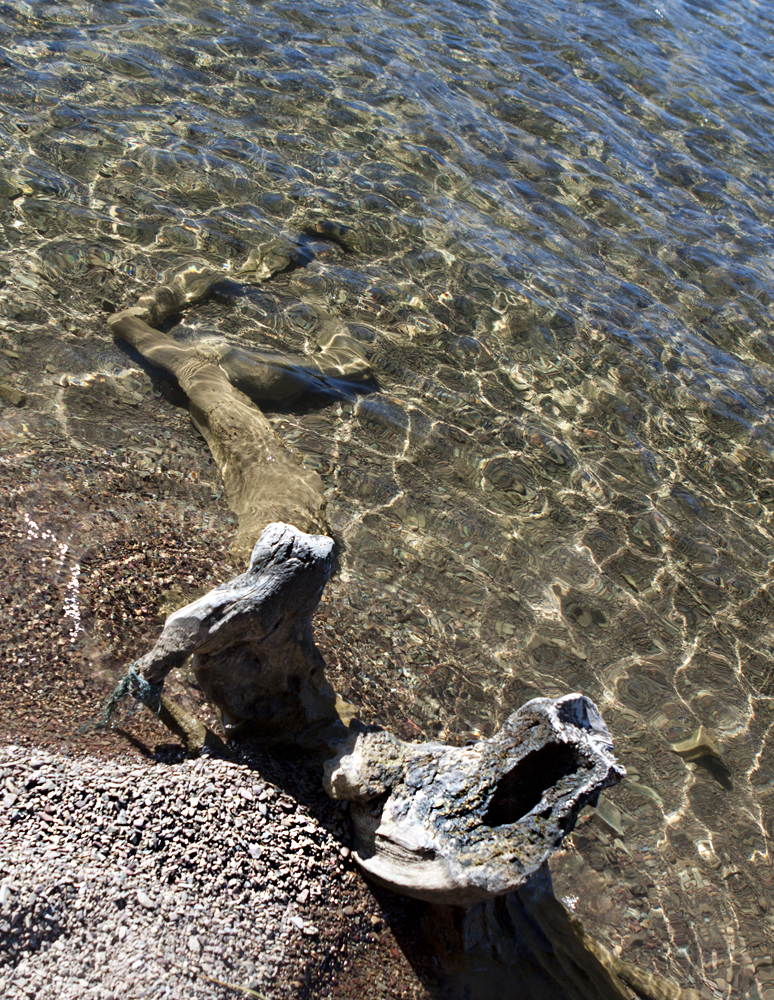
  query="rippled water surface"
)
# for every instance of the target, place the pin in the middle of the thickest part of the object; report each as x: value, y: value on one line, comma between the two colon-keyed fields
x: 559, y: 264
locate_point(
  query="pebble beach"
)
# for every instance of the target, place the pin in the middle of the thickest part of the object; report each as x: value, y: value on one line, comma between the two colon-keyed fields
x: 139, y: 878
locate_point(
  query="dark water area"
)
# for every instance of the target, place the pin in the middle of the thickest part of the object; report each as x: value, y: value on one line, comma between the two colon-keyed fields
x: 559, y: 265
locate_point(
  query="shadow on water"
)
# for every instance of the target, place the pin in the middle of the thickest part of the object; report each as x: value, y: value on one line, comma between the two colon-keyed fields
x: 525, y: 944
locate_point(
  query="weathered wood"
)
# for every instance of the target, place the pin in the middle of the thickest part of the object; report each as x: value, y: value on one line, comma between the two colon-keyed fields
x: 263, y: 481
x: 251, y: 641
x: 440, y: 823
x: 459, y: 825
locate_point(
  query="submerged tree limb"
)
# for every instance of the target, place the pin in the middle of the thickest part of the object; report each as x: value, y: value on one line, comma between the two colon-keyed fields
x: 263, y: 482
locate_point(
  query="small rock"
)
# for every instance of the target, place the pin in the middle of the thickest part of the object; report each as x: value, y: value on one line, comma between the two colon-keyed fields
x: 309, y: 930
x: 348, y: 911
x: 193, y: 944
x: 9, y: 800
x: 302, y: 896
x: 5, y: 894
x: 144, y: 900
x: 11, y: 395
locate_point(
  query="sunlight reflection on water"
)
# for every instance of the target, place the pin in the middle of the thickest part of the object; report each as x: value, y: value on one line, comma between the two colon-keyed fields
x: 558, y: 264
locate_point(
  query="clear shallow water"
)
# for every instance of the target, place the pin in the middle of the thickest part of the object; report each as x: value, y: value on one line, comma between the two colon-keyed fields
x: 560, y: 269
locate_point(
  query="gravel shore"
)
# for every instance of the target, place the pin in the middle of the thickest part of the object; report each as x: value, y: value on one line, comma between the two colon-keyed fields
x: 138, y: 878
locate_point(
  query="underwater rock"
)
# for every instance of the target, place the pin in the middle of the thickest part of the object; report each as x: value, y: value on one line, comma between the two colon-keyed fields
x: 11, y: 395
x: 251, y: 642
x: 349, y: 239
x: 699, y: 744
x: 460, y: 825
x: 271, y: 257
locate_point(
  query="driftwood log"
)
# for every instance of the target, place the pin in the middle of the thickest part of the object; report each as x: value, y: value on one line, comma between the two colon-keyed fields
x: 455, y: 826
x: 460, y: 825
x: 441, y: 823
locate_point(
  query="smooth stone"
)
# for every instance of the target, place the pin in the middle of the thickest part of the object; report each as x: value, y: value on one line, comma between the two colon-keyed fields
x: 11, y: 395
x: 349, y: 239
